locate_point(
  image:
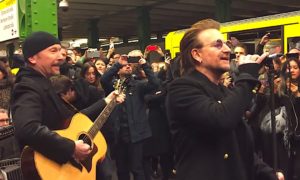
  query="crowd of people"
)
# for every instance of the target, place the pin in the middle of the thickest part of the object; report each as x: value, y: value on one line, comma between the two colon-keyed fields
x: 202, y: 115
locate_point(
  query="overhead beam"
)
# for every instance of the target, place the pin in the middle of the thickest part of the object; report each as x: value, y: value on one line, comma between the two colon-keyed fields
x: 199, y: 2
x: 97, y: 7
x: 135, y: 3
x: 175, y: 13
x: 187, y: 7
x: 284, y: 3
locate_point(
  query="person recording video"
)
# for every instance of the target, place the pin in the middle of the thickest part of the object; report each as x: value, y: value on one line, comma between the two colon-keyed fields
x: 132, y: 126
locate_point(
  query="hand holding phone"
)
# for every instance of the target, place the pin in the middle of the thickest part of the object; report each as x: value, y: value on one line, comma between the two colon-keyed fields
x: 265, y: 39
x: 111, y: 44
x: 92, y: 53
x: 133, y: 59
x: 167, y: 55
x: 151, y: 48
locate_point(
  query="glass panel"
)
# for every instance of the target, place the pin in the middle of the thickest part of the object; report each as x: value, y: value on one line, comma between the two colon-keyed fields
x: 293, y: 43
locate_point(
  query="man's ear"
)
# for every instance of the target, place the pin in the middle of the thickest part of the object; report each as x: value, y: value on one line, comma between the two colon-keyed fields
x: 196, y: 55
x: 32, y: 60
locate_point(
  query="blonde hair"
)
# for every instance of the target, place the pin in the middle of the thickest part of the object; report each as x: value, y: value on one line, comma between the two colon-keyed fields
x: 135, y: 52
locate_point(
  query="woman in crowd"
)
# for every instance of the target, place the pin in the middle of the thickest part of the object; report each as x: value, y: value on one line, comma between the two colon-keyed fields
x: 287, y: 113
x: 101, y: 66
x: 90, y: 74
x: 290, y: 87
x: 6, y: 83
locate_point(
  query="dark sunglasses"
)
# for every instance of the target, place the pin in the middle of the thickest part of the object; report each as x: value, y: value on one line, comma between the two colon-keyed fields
x: 219, y: 44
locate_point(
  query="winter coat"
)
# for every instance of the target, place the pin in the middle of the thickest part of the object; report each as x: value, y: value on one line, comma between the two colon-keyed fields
x: 212, y: 141
x: 36, y: 111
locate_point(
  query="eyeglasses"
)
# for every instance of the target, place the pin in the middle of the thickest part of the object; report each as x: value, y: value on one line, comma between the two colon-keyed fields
x: 219, y: 44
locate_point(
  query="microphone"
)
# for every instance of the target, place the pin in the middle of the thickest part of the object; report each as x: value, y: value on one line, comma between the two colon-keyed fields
x: 268, y: 61
x: 275, y: 55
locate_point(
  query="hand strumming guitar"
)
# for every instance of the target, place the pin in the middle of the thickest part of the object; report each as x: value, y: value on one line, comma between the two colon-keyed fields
x: 82, y: 150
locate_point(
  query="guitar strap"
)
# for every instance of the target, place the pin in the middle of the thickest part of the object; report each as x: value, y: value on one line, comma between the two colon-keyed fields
x: 70, y: 106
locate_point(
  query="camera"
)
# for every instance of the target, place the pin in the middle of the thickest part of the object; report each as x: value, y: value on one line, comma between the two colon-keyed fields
x: 152, y: 48
x: 292, y: 56
x: 92, y: 53
x: 133, y: 59
x: 64, y: 5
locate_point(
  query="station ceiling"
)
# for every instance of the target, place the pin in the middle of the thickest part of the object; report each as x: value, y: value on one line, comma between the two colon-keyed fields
x: 118, y: 18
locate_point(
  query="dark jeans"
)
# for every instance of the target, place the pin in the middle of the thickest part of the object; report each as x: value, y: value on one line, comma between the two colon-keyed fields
x: 166, y: 162
x: 104, y: 170
x: 129, y: 158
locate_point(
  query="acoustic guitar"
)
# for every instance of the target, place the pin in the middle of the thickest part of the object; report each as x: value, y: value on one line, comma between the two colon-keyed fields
x: 34, y: 165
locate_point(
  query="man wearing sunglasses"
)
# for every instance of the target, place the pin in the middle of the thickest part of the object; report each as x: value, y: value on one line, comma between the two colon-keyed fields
x: 130, y: 118
x: 212, y: 141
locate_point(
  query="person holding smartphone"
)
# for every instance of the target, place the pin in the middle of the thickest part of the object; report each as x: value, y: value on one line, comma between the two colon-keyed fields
x: 153, y: 48
x: 264, y: 40
x: 130, y: 118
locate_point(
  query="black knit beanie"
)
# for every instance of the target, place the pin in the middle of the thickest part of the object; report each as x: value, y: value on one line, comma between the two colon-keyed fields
x: 37, y: 42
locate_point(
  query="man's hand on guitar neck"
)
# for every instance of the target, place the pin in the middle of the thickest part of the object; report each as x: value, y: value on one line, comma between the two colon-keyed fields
x: 81, y: 151
x: 119, y: 97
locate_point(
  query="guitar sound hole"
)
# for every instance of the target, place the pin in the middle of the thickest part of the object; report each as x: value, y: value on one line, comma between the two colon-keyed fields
x: 86, y: 139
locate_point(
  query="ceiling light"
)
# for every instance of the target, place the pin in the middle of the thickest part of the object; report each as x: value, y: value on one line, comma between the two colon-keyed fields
x: 64, y: 5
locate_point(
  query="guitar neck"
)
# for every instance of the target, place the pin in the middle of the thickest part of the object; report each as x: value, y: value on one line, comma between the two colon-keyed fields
x: 101, y: 119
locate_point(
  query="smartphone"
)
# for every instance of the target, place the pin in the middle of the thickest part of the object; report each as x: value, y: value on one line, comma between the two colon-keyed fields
x: 133, y: 59
x: 111, y: 45
x: 292, y: 56
x: 92, y: 54
x: 167, y: 54
x: 272, y: 35
x: 152, y: 48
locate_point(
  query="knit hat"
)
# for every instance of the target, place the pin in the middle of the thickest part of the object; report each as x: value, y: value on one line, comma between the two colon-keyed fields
x: 37, y: 42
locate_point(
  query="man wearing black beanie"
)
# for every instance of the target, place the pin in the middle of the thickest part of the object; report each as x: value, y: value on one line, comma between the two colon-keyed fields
x: 36, y: 108
x: 41, y: 51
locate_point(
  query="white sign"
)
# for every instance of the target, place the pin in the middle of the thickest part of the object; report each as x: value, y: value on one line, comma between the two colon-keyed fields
x: 9, y: 23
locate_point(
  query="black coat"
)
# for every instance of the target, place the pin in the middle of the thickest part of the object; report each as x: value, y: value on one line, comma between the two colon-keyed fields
x: 135, y: 105
x: 160, y: 141
x: 212, y: 142
x: 36, y: 110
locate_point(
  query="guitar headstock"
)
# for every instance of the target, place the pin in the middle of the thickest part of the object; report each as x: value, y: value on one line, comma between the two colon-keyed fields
x: 121, y: 84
